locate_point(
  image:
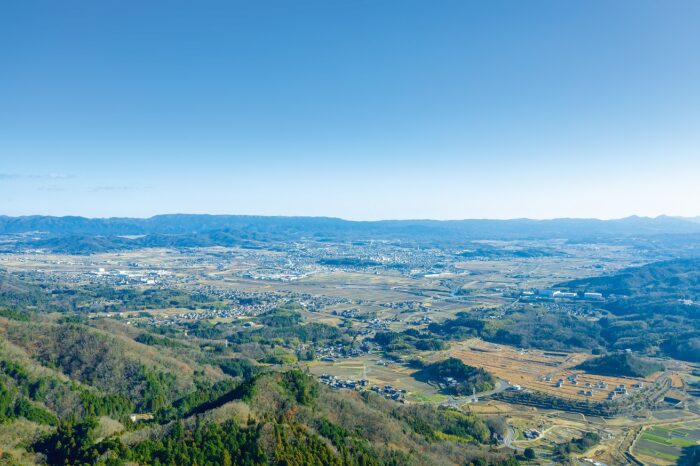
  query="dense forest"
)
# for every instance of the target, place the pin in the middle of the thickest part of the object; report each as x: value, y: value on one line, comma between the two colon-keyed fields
x: 530, y: 326
x: 653, y: 309
x: 455, y: 377
x: 621, y: 364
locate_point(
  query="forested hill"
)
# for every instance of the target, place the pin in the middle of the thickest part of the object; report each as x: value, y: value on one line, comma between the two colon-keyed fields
x: 656, y: 307
x: 679, y: 278
x: 621, y: 364
x: 68, y: 390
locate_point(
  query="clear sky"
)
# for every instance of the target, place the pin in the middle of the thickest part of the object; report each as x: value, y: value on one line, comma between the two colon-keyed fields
x: 357, y: 109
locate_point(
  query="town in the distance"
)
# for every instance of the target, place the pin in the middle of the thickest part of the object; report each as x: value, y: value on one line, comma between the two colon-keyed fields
x: 300, y: 340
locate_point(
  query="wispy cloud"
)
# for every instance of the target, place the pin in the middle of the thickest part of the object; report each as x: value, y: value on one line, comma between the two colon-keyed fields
x: 35, y: 176
x: 53, y: 188
x: 60, y: 176
x: 107, y: 188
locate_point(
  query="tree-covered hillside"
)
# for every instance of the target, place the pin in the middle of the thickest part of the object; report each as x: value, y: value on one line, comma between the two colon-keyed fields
x: 101, y: 391
x: 675, y: 278
x: 655, y: 308
x: 621, y: 364
x: 457, y: 378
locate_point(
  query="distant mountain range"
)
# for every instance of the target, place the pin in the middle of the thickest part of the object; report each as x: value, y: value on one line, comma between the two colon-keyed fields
x: 193, y: 223
x: 80, y: 234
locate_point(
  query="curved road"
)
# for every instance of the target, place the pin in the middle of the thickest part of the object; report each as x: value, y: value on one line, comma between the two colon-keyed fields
x: 508, y: 439
x: 501, y: 386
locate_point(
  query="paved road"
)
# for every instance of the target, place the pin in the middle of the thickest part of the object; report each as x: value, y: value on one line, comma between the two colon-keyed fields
x: 508, y: 438
x: 501, y: 386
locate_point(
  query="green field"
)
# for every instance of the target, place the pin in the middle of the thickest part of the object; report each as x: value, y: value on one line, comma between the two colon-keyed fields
x: 666, y: 444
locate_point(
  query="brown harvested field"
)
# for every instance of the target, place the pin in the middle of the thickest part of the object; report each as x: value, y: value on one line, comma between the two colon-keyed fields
x: 528, y: 368
x: 676, y: 380
x: 500, y: 408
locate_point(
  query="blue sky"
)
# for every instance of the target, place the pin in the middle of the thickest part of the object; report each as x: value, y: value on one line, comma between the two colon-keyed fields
x: 358, y: 109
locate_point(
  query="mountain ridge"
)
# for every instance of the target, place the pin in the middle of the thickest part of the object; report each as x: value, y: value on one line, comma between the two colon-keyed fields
x: 187, y: 223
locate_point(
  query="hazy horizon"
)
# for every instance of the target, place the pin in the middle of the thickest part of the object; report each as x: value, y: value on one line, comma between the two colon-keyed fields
x: 694, y: 218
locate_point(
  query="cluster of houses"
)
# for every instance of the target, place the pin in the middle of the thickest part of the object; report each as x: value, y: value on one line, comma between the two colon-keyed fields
x: 572, y: 379
x: 388, y: 391
x: 422, y: 320
x: 191, y: 316
x: 532, y: 434
x: 374, y: 255
x: 407, y: 306
x: 314, y: 302
x: 598, y: 385
x: 447, y: 382
x: 302, y: 259
x: 331, y: 353
x: 621, y: 390
x: 276, y: 267
x: 245, y: 303
x: 354, y: 314
x: 571, y: 308
x: 379, y: 325
x: 259, y: 302
x: 591, y: 387
x: 250, y: 302
x: 337, y: 383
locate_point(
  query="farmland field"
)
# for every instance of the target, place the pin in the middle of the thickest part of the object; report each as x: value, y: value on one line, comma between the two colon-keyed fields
x: 538, y: 370
x: 663, y: 445
x: 379, y: 373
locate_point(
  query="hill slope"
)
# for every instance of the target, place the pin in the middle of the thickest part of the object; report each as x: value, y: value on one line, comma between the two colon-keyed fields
x: 456, y: 377
x: 678, y: 278
x: 621, y: 364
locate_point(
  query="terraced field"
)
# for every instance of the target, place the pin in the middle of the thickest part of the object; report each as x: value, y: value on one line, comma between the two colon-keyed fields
x: 664, y: 445
x: 539, y: 370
